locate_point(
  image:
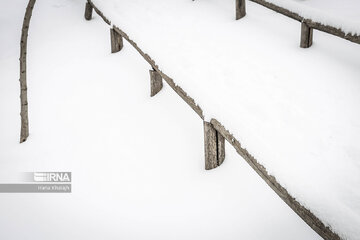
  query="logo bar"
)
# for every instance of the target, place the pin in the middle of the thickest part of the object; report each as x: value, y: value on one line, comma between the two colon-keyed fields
x: 35, y: 188
x: 52, y: 176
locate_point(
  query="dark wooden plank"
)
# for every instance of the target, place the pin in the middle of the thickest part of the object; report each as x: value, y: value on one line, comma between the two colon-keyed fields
x: 214, y: 146
x: 210, y: 146
x: 240, y: 9
x: 116, y: 41
x: 156, y: 83
x: 88, y: 11
x: 306, y: 36
x: 220, y: 148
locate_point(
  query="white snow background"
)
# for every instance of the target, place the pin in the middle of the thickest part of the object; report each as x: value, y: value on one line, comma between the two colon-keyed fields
x: 137, y: 161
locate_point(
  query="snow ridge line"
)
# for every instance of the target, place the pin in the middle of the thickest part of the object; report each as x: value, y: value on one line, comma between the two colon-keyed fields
x: 315, y: 25
x: 305, y: 214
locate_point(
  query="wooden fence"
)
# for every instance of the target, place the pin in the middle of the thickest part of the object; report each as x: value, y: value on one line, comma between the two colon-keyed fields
x: 307, y: 25
x: 215, y: 134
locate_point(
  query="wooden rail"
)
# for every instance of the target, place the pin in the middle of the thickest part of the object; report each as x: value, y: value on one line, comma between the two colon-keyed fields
x: 308, y: 22
x: 215, y: 133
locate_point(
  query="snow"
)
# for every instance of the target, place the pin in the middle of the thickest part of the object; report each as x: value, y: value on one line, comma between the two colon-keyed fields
x: 295, y: 110
x: 343, y: 15
x: 137, y: 162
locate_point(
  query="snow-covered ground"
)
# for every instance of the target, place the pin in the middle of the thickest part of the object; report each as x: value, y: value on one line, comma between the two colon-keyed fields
x: 137, y: 162
x: 296, y: 110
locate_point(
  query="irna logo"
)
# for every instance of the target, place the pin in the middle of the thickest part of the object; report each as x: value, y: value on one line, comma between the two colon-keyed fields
x: 52, y: 176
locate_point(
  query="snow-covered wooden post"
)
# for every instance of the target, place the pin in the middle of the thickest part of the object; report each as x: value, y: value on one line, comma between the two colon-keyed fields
x: 116, y: 41
x: 240, y: 9
x: 214, y: 144
x: 156, y: 83
x: 306, y: 36
x: 88, y: 11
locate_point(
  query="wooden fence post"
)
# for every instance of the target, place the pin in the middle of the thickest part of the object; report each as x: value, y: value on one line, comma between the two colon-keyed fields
x: 156, y: 83
x: 116, y: 41
x: 214, y: 144
x: 306, y: 36
x: 240, y: 9
x: 24, y: 130
x: 88, y: 11
x: 221, y: 148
